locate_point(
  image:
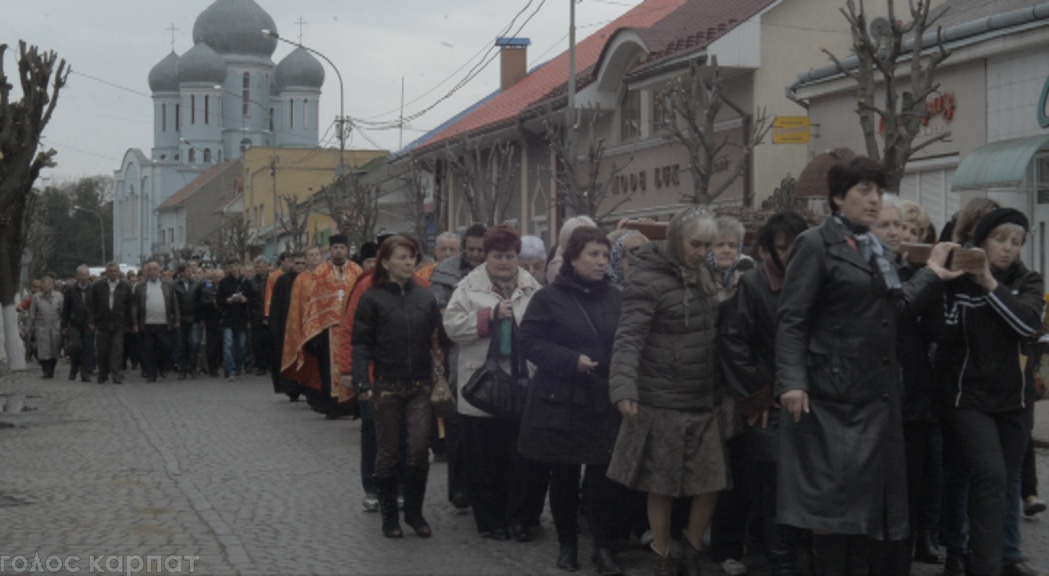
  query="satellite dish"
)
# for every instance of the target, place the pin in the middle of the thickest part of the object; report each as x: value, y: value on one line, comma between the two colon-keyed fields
x: 880, y: 28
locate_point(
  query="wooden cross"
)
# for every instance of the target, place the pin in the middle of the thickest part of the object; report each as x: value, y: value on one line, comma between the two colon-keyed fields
x: 172, y: 28
x: 301, y: 23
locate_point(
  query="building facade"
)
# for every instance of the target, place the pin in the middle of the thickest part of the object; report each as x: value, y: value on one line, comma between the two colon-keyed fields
x: 992, y: 100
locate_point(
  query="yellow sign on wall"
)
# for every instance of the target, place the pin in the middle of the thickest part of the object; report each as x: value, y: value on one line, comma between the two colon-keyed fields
x: 790, y: 130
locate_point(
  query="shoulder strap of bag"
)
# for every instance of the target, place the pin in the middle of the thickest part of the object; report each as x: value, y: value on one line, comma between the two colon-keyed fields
x: 587, y: 316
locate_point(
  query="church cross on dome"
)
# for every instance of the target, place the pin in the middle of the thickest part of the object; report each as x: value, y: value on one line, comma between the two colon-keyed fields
x: 172, y: 29
x: 301, y: 23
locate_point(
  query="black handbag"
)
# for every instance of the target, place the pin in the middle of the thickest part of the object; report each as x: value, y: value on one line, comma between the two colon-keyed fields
x: 492, y: 389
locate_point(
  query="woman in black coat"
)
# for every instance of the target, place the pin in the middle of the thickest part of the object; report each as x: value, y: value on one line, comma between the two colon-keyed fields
x: 392, y: 331
x: 991, y: 320
x: 837, y: 376
x: 567, y: 332
x: 747, y: 344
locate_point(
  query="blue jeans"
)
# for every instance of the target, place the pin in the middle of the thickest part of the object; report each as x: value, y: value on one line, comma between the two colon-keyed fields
x: 234, y: 342
x: 186, y: 346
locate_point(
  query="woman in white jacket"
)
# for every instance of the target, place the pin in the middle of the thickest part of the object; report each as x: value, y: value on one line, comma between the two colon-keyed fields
x: 492, y: 299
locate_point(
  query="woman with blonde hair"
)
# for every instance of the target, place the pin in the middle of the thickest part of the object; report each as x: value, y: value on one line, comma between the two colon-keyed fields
x: 665, y: 381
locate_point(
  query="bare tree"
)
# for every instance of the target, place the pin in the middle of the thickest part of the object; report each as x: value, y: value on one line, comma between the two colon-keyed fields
x: 486, y: 175
x: 784, y: 198
x: 902, y: 111
x: 234, y: 239
x: 21, y: 124
x: 296, y: 220
x: 692, y: 104
x: 418, y: 182
x: 580, y: 185
x: 354, y: 206
x: 40, y: 241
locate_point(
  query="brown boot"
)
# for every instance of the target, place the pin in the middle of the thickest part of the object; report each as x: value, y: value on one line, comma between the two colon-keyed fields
x: 665, y: 564
x: 690, y: 558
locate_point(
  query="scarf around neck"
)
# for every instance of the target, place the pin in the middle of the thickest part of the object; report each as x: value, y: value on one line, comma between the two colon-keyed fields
x: 871, y: 250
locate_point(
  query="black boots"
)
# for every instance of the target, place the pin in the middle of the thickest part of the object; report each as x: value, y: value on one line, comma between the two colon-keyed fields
x: 386, y: 489
x: 840, y: 555
x: 414, y: 491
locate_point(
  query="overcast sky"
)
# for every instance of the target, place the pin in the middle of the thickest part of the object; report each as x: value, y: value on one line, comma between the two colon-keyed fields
x: 112, y: 44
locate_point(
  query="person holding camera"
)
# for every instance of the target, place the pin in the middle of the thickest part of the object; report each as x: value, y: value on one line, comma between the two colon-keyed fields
x: 235, y: 298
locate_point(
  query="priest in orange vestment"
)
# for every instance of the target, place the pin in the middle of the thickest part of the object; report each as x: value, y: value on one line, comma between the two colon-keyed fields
x: 319, y: 301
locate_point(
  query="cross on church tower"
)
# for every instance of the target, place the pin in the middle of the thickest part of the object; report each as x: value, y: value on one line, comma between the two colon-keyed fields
x: 172, y: 28
x: 301, y: 23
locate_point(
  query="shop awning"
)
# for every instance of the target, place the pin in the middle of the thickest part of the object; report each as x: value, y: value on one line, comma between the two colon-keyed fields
x: 1001, y: 164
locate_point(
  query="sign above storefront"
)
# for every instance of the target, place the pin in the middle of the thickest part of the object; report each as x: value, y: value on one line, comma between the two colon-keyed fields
x: 790, y: 130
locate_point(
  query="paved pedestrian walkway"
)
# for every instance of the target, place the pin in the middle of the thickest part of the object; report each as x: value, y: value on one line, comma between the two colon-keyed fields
x: 234, y: 478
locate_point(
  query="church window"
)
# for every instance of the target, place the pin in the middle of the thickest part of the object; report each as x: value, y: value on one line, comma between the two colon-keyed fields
x: 207, y: 155
x: 271, y: 119
x: 291, y: 113
x: 305, y: 119
x: 192, y: 155
x: 246, y: 94
x: 207, y: 108
x: 178, y: 118
x: 163, y: 117
x: 193, y: 109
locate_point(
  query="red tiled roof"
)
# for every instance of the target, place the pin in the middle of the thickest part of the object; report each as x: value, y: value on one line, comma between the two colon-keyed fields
x: 508, y: 104
x: 670, y: 28
x: 195, y: 184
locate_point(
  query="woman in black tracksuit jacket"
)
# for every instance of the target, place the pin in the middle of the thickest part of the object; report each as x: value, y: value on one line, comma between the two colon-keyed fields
x: 989, y: 322
x: 392, y: 330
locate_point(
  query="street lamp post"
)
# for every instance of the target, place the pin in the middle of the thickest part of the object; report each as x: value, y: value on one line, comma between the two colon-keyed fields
x: 101, y: 230
x: 341, y: 121
x: 273, y: 157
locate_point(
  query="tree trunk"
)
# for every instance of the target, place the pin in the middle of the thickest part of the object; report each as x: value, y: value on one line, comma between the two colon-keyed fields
x: 12, y: 341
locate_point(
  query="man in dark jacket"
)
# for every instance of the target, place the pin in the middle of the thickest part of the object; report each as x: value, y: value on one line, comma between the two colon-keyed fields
x: 235, y: 299
x: 445, y: 277
x: 209, y: 315
x: 155, y: 317
x: 80, y: 337
x: 187, y: 338
x: 260, y: 334
x: 109, y: 313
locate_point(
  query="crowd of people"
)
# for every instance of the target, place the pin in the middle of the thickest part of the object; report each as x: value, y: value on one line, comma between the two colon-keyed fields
x: 840, y: 398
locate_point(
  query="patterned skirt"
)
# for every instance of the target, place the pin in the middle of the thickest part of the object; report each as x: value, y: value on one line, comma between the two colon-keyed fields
x: 671, y: 453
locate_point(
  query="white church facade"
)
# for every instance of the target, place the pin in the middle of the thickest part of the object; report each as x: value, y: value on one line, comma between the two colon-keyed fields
x: 221, y: 97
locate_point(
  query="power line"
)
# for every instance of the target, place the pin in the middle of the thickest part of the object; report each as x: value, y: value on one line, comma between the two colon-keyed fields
x: 112, y: 84
x: 474, y: 72
x: 486, y: 48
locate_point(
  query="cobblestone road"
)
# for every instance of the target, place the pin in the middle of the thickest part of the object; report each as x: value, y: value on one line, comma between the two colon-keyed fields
x: 234, y: 475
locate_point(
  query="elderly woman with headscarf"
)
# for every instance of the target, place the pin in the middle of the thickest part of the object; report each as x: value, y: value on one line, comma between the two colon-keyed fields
x: 623, y: 241
x: 665, y: 381
x: 727, y: 257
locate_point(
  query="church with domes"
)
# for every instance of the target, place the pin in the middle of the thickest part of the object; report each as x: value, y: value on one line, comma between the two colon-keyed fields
x: 221, y: 97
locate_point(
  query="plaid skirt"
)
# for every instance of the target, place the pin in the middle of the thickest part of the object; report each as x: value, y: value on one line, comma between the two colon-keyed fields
x: 671, y: 453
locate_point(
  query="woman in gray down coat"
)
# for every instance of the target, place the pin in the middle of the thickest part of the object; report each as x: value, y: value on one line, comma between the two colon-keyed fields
x: 665, y: 381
